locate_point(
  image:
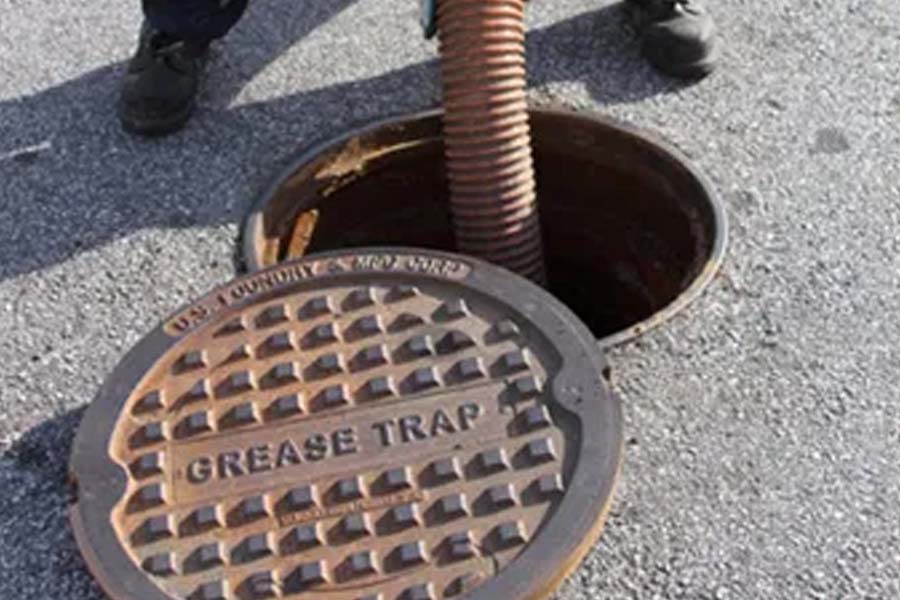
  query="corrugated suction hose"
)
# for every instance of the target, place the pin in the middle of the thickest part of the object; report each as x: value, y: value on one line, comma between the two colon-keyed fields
x: 487, y: 134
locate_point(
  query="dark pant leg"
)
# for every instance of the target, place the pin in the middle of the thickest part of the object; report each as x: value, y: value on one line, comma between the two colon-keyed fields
x: 194, y: 20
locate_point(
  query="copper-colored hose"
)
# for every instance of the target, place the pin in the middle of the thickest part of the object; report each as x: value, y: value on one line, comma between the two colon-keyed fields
x: 486, y: 133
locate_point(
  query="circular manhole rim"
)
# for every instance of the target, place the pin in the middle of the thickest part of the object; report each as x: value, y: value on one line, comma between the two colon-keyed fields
x: 100, y: 482
x: 252, y: 236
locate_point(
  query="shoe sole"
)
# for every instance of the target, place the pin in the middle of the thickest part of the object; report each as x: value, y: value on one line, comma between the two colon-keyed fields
x: 696, y: 70
x: 159, y: 126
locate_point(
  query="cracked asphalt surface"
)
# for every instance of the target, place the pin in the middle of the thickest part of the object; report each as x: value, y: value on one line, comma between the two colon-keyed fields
x: 764, y: 435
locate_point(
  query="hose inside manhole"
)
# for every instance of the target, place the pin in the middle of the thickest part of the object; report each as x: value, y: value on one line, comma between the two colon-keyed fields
x: 487, y: 135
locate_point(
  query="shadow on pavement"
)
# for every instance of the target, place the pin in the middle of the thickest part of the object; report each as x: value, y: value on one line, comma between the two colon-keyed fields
x: 70, y: 180
x: 40, y: 557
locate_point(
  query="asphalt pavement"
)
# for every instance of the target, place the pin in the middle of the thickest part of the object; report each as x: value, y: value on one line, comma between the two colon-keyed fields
x: 763, y: 455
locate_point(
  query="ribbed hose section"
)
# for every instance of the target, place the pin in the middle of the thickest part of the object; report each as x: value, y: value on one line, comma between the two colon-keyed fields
x: 486, y: 133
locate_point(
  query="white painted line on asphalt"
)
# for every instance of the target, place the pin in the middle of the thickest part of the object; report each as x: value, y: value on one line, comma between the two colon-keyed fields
x: 26, y: 152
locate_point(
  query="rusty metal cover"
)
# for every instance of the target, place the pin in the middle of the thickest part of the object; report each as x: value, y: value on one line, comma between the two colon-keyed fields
x: 378, y: 424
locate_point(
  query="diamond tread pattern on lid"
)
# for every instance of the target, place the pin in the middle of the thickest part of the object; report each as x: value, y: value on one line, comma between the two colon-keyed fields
x: 349, y: 439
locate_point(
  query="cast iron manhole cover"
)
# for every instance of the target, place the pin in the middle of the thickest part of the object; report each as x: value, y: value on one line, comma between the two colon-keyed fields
x: 378, y: 424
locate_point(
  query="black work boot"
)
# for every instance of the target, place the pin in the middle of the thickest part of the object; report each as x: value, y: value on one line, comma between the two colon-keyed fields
x: 159, y: 90
x: 678, y: 36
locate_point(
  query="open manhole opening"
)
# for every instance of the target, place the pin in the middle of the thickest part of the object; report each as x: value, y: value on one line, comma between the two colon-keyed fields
x: 632, y: 232
x: 392, y: 424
